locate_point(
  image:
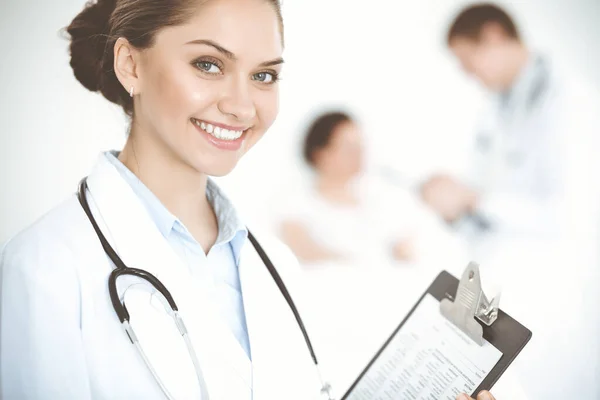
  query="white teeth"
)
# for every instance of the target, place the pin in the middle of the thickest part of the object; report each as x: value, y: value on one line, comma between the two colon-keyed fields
x: 218, y: 132
x: 227, y: 134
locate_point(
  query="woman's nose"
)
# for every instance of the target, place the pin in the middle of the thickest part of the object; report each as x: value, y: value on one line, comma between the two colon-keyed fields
x: 237, y: 101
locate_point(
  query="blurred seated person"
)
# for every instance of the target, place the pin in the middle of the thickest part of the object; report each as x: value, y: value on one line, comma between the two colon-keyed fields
x: 345, y: 215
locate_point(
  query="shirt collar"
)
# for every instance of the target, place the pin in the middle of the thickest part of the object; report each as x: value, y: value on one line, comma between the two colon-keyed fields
x: 231, y: 228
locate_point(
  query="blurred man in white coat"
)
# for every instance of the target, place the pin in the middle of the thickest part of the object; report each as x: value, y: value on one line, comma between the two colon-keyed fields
x: 529, y: 204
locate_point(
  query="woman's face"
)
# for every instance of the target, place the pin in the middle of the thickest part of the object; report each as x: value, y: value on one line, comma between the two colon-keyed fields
x: 343, y: 156
x: 207, y: 91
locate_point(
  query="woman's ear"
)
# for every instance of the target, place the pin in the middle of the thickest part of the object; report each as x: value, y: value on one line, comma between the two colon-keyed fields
x: 126, y: 65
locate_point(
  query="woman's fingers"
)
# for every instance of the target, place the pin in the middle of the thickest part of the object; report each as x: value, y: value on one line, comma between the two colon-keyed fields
x: 463, y: 397
x: 484, y: 395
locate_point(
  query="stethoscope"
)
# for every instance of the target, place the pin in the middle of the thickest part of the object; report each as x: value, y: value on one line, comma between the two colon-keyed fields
x: 519, y: 104
x: 121, y: 310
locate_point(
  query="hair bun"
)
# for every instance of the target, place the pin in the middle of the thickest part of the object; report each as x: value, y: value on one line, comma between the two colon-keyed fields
x: 89, y: 36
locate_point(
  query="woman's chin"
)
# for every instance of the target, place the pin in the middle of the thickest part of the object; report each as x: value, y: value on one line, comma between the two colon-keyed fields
x: 219, y: 169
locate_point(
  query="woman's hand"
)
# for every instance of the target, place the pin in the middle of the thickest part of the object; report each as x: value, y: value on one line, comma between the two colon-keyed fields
x: 483, y: 395
x: 297, y: 237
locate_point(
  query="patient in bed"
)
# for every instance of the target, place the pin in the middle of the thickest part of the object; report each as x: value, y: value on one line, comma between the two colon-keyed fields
x: 346, y: 215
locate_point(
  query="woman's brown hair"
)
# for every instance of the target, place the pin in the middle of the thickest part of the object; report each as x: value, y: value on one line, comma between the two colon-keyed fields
x: 94, y: 31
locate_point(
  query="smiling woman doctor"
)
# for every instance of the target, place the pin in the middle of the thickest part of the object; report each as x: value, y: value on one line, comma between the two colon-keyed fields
x: 199, y: 81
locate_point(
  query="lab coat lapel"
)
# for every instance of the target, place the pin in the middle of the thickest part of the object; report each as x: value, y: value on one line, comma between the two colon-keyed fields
x: 139, y: 243
x: 282, y: 366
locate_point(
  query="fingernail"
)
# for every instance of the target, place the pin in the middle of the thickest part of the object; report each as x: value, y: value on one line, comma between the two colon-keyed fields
x: 485, y: 396
x: 462, y: 397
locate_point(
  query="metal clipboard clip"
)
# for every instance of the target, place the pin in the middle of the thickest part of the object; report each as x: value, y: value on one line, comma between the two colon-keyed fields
x: 470, y: 303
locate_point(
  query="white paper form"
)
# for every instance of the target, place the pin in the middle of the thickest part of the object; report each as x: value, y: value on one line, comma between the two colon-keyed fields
x: 428, y: 359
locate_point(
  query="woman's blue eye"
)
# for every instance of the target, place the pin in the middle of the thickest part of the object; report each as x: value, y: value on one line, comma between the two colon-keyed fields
x: 264, y: 77
x: 208, y: 67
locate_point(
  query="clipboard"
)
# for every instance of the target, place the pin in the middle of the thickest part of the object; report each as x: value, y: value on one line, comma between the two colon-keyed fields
x: 463, y: 306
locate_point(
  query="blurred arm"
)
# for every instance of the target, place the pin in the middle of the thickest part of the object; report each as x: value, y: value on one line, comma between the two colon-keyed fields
x: 297, y: 237
x: 447, y: 197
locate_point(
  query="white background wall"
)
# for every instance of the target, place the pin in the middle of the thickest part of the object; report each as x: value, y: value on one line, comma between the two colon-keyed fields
x: 385, y: 60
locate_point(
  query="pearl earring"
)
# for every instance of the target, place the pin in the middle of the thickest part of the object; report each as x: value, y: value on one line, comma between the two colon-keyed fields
x: 131, y: 92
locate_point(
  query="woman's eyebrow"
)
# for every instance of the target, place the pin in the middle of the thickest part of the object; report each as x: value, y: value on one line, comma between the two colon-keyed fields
x: 271, y: 63
x: 220, y: 48
x: 230, y: 55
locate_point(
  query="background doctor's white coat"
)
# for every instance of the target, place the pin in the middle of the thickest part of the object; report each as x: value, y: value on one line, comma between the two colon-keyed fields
x: 544, y: 248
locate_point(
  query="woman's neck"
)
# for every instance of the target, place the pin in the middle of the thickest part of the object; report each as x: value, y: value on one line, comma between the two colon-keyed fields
x: 337, y: 190
x: 180, y: 188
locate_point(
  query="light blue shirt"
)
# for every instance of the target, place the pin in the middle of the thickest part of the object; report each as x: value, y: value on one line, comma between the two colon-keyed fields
x: 223, y: 258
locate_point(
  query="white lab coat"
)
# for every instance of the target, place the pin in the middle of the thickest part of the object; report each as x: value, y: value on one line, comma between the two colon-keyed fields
x: 60, y: 337
x: 539, y: 184
x: 534, y: 160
